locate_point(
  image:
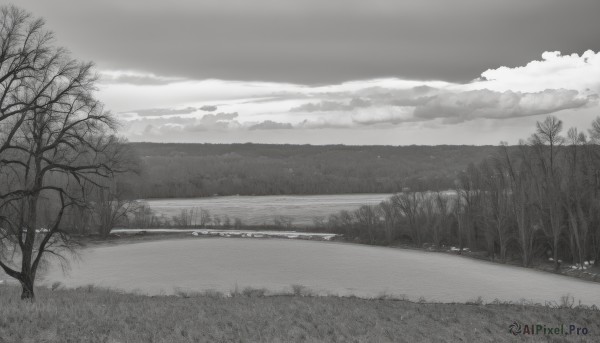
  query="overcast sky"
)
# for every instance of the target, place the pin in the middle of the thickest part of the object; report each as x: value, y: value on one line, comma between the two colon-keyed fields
x: 337, y: 71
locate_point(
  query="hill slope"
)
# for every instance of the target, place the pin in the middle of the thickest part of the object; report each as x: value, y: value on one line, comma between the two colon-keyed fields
x: 89, y: 315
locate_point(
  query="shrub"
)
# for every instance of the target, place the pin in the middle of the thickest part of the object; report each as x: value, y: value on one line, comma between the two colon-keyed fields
x: 254, y: 292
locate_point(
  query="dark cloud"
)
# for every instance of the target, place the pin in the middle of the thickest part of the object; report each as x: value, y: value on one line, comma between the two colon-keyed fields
x: 383, y: 93
x: 271, y: 125
x: 219, y: 121
x: 369, y: 97
x: 204, y: 127
x: 322, y: 124
x: 464, y: 106
x: 172, y: 125
x: 399, y: 97
x: 137, y: 79
x: 208, y: 108
x: 392, y: 107
x: 279, y: 96
x: 325, y: 106
x: 358, y: 103
x: 318, y: 107
x: 155, y: 112
x: 213, y: 118
x: 316, y: 41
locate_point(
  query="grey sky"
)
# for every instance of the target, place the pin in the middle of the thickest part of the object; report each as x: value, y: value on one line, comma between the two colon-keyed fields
x: 316, y: 41
x: 336, y: 71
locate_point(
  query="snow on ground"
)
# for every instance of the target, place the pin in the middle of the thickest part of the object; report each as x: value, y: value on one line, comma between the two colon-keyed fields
x: 232, y: 233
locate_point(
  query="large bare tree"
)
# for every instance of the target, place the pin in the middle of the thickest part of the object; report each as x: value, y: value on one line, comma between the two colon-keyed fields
x: 545, y: 145
x: 55, y: 139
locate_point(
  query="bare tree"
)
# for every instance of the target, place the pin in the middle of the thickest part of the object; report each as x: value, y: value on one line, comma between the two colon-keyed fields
x: 367, y: 218
x: 205, y: 218
x: 237, y: 223
x: 111, y: 208
x: 520, y: 204
x: 184, y: 218
x: 497, y: 206
x: 467, y: 206
x: 545, y: 143
x: 110, y: 204
x: 444, y: 208
x: 391, y: 219
x: 579, y: 193
x: 216, y: 220
x: 55, y: 138
x: 408, y: 205
x: 428, y: 218
x: 143, y: 217
x: 283, y: 222
x: 347, y: 222
x: 593, y: 153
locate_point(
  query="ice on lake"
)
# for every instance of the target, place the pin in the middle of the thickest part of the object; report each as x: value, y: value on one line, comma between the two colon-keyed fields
x: 197, y: 264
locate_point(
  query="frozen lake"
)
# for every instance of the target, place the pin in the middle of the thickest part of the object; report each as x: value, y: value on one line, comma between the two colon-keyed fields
x: 198, y: 264
x: 258, y: 210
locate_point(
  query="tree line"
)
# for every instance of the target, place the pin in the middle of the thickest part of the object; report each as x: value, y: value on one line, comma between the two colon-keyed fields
x: 538, y: 200
x: 200, y: 170
x: 141, y: 216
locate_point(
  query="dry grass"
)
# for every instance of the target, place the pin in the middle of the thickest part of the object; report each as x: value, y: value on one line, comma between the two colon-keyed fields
x: 93, y: 315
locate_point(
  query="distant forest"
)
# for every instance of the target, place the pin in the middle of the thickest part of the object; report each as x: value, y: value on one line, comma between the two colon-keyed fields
x: 199, y: 170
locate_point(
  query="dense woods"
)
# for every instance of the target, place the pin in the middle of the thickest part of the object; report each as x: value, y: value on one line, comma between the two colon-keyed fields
x: 538, y: 200
x: 197, y: 170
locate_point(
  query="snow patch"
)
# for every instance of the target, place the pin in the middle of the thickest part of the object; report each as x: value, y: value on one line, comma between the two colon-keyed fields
x: 235, y: 233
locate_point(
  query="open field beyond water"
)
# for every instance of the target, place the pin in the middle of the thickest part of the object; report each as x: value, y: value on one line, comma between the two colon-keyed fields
x: 258, y: 210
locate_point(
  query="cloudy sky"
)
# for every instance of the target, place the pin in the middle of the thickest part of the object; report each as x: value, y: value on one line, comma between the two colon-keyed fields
x: 337, y: 71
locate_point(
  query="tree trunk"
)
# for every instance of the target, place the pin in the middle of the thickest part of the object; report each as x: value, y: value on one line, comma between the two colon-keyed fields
x: 555, y: 254
x: 503, y: 249
x: 27, y: 288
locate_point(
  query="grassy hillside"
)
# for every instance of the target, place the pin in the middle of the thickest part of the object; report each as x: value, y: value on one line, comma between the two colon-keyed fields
x: 89, y: 315
x: 191, y: 170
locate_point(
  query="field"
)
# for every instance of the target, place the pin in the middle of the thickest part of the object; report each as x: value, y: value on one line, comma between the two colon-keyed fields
x: 92, y: 315
x: 259, y: 210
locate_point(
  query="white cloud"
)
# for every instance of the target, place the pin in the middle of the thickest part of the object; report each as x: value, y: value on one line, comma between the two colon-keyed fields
x: 553, y: 71
x: 271, y: 125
